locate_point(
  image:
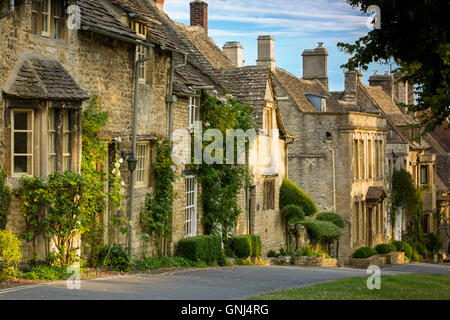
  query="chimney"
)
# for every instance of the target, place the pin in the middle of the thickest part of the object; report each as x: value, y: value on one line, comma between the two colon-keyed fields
x: 233, y: 50
x: 386, y: 81
x: 160, y: 4
x: 315, y: 64
x: 199, y: 14
x: 266, y: 56
x: 403, y: 92
x: 352, y: 79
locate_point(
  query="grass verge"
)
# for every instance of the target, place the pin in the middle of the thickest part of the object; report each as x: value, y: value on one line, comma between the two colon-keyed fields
x: 393, y: 287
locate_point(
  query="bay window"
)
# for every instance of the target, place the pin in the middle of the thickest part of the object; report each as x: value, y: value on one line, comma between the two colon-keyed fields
x: 22, y: 142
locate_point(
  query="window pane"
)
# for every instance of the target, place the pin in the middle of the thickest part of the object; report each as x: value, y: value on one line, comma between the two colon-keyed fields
x: 21, y: 121
x: 22, y: 142
x: 21, y: 164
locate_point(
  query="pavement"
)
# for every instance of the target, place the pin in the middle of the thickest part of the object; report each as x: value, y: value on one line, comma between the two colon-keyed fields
x: 226, y: 283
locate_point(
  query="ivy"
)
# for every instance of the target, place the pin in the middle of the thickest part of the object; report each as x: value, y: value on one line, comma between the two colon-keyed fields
x: 222, y: 183
x: 5, y: 201
x: 406, y: 195
x: 156, y: 216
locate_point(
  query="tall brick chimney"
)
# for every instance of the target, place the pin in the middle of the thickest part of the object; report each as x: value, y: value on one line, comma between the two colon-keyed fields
x: 315, y: 64
x: 233, y: 50
x: 159, y: 4
x: 266, y: 51
x: 199, y: 14
x: 386, y: 81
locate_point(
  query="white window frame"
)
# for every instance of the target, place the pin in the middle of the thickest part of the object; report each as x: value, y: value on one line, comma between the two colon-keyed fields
x: 67, y: 148
x: 141, y: 30
x: 52, y: 134
x: 48, y: 14
x: 194, y: 108
x: 191, y: 195
x: 13, y: 131
x: 143, y: 164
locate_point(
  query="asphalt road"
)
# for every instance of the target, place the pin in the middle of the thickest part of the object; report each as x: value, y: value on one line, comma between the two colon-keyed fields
x: 202, y: 284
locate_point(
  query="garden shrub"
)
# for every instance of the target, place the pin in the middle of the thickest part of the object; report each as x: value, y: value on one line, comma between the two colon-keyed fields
x: 5, y: 201
x: 241, y: 246
x: 272, y: 254
x: 420, y: 248
x: 256, y: 246
x: 385, y: 248
x: 291, y: 213
x: 201, y: 248
x: 308, y: 251
x: 290, y: 193
x: 321, y: 231
x: 417, y: 257
x: 117, y: 259
x: 433, y: 243
x: 10, y: 255
x: 404, y: 247
x: 332, y: 217
x: 364, y: 252
x: 42, y: 272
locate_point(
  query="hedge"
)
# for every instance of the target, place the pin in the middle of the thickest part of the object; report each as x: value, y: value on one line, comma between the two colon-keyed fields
x: 246, y: 246
x: 200, y: 248
x: 385, y: 248
x: 321, y: 231
x: 10, y: 255
x: 332, y: 217
x: 290, y: 193
x: 404, y: 247
x: 118, y: 258
x: 365, y: 252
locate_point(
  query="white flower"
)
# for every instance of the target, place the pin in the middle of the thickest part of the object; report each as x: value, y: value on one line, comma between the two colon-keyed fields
x: 122, y: 183
x: 118, y: 173
x: 113, y: 171
x: 214, y: 92
x: 122, y: 191
x: 207, y: 124
x: 173, y: 168
x: 117, y: 165
x: 121, y: 160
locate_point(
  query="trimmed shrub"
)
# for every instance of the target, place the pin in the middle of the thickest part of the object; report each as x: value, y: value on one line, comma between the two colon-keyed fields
x: 385, y: 248
x: 5, y: 201
x: 321, y: 231
x: 293, y: 213
x: 290, y: 193
x: 200, y: 248
x: 241, y: 246
x: 10, y: 255
x: 332, y: 217
x: 256, y: 246
x: 365, y: 252
x: 272, y: 254
x: 118, y: 258
x: 404, y: 247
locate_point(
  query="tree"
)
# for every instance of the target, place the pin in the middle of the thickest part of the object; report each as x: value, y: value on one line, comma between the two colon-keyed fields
x: 414, y: 33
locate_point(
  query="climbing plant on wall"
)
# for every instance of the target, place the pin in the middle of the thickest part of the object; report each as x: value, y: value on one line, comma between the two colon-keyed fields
x: 5, y: 201
x: 156, y: 216
x: 221, y: 183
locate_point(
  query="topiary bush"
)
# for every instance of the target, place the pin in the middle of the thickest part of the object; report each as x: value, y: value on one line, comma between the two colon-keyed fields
x: 321, y: 231
x: 290, y: 193
x: 404, y: 247
x: 117, y: 259
x: 241, y: 246
x: 293, y: 213
x: 256, y: 246
x: 10, y: 255
x: 364, y: 252
x: 385, y: 248
x: 5, y: 201
x: 332, y: 217
x: 200, y: 248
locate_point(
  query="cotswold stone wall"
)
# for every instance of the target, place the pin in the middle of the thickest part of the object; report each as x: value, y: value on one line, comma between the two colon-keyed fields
x: 104, y: 67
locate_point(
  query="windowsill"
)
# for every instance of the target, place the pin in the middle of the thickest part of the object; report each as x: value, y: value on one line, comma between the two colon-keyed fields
x: 49, y: 41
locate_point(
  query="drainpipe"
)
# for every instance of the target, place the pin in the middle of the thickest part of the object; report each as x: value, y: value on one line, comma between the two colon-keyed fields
x: 170, y: 99
x: 334, y: 177
x: 4, y: 14
x: 133, y: 152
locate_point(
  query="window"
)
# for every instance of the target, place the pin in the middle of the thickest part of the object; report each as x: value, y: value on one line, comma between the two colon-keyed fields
x: 194, y: 111
x: 46, y: 18
x: 355, y: 160
x: 370, y: 157
x: 268, y: 124
x: 143, y: 164
x: 318, y: 101
x: 22, y: 142
x: 423, y: 174
x: 190, y: 225
x: 66, y: 155
x: 269, y: 195
x: 51, y: 141
x: 141, y: 30
x: 361, y: 159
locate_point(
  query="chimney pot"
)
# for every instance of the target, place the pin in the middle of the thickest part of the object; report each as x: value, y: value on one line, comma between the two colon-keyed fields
x: 199, y: 14
x: 159, y: 4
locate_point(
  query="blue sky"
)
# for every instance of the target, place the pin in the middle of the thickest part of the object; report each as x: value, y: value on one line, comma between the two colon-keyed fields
x: 295, y: 24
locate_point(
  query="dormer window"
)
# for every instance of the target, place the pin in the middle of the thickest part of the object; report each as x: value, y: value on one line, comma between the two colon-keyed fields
x: 319, y: 102
x: 141, y: 30
x: 47, y: 18
x: 140, y: 27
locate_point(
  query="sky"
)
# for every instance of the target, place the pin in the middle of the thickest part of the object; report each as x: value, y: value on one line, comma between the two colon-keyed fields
x: 296, y: 25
